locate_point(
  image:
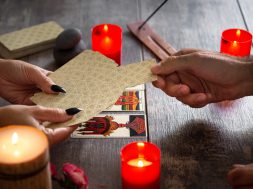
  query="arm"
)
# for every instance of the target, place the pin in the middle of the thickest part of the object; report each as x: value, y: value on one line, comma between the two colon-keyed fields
x: 198, y: 77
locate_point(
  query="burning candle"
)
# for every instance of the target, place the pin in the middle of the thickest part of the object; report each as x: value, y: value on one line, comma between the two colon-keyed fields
x: 236, y: 42
x: 24, y: 158
x: 107, y: 39
x: 140, y: 166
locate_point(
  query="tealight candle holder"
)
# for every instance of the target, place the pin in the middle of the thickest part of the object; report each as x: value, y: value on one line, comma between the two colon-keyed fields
x: 140, y: 166
x: 24, y: 158
x: 107, y: 39
x: 236, y: 42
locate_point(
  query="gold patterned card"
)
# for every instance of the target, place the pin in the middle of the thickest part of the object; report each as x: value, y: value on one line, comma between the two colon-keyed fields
x: 29, y: 40
x: 93, y: 82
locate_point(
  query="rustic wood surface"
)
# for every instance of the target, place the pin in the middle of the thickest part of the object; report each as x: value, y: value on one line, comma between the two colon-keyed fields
x: 198, y: 145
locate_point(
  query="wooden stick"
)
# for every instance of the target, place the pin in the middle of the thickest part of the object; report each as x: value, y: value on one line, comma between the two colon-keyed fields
x: 152, y: 40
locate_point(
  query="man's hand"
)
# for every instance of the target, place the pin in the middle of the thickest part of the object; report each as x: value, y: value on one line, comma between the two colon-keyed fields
x: 197, y: 77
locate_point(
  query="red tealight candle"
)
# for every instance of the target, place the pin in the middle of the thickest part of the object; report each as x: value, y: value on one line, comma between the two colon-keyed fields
x: 107, y: 39
x: 140, y: 166
x: 236, y: 42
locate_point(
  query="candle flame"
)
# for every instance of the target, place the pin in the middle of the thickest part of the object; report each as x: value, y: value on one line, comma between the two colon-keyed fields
x: 238, y: 32
x: 14, y: 138
x: 234, y: 43
x: 140, y: 163
x: 140, y: 144
x: 105, y: 27
x: 16, y: 153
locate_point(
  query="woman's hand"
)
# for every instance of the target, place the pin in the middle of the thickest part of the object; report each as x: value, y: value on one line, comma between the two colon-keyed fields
x: 20, y: 80
x: 197, y: 77
x: 35, y: 115
x: 240, y: 176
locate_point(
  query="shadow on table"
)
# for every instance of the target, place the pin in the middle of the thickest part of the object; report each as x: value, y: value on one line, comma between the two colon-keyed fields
x: 199, y: 155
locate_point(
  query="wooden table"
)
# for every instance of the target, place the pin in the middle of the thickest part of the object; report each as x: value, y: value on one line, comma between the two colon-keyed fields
x: 198, y: 145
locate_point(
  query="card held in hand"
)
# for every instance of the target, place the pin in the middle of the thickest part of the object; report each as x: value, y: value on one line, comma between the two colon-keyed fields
x: 93, y: 83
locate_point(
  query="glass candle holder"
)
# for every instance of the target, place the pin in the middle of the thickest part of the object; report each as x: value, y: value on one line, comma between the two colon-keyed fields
x: 140, y: 166
x: 236, y: 42
x: 107, y: 39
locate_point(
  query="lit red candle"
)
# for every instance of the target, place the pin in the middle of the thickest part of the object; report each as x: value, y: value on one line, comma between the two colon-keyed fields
x: 236, y: 42
x: 140, y: 166
x: 107, y: 39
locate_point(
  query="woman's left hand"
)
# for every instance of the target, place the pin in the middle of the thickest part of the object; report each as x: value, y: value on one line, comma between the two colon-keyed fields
x: 20, y: 80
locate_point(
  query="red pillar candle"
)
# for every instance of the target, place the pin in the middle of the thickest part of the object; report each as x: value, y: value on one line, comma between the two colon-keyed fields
x: 140, y: 166
x: 107, y: 39
x: 236, y: 42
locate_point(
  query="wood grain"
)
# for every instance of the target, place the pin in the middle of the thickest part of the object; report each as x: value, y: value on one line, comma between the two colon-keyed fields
x: 198, y: 145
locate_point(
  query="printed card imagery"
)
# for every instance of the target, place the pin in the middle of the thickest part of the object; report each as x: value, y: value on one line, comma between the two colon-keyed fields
x: 129, y: 101
x: 93, y: 83
x: 113, y: 126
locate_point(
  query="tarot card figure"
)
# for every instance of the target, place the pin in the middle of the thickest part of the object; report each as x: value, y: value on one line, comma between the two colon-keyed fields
x: 105, y: 126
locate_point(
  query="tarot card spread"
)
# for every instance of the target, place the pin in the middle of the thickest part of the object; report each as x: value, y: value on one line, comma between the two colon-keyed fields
x: 93, y: 82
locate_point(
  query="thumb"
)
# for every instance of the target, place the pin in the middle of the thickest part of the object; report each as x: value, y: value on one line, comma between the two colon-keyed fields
x: 59, y: 134
x: 168, y: 66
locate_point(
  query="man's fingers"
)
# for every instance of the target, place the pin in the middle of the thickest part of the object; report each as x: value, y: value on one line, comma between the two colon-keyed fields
x: 241, y: 176
x: 159, y: 83
x: 170, y: 65
x: 174, y: 88
x: 196, y: 100
x: 59, y: 134
x: 186, y: 51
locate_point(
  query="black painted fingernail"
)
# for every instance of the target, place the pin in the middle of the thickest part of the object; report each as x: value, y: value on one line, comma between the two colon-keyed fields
x: 73, y: 111
x: 57, y: 88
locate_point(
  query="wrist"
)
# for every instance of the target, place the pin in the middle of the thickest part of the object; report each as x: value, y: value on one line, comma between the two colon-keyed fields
x: 246, y: 82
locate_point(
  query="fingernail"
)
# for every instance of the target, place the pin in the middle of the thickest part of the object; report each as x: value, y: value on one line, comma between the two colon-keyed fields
x: 57, y: 88
x: 73, y: 111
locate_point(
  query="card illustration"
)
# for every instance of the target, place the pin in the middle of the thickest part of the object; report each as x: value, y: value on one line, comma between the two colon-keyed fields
x: 112, y: 126
x: 129, y: 101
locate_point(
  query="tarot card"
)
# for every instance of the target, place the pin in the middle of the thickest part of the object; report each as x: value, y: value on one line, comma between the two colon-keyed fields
x: 129, y: 101
x: 136, y: 88
x: 113, y: 126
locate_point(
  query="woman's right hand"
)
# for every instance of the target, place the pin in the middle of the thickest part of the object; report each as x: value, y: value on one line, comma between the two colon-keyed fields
x: 35, y: 115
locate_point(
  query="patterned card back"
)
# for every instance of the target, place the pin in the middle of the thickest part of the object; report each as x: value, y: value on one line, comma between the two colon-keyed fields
x: 93, y: 82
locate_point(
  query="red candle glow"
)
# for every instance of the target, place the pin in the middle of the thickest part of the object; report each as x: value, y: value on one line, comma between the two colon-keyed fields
x: 140, y: 166
x: 236, y: 42
x: 107, y: 39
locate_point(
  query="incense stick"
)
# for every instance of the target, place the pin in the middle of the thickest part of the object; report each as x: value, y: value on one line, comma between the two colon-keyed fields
x: 151, y: 15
